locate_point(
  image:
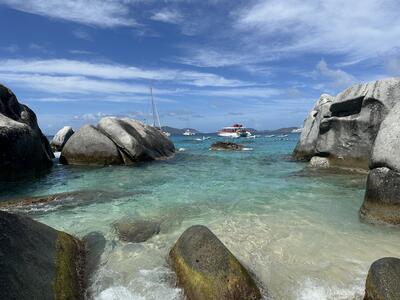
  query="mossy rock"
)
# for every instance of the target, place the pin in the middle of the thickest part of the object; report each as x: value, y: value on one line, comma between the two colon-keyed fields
x: 206, y: 269
x: 37, y: 261
x: 383, y: 281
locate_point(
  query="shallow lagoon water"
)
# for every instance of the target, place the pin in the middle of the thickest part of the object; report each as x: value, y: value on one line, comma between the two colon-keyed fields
x: 297, y: 230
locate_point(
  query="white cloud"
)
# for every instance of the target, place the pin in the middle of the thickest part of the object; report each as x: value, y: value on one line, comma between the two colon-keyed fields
x: 102, y: 13
x: 167, y: 16
x: 359, y: 29
x: 114, y: 72
x: 337, y: 78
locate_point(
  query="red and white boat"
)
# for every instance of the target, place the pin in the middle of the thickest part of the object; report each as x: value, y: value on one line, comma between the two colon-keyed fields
x: 235, y: 131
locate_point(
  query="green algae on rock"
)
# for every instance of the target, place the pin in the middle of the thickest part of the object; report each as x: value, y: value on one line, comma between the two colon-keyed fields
x: 206, y: 269
x: 37, y: 261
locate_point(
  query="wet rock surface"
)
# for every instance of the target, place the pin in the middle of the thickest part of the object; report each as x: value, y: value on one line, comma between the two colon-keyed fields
x: 65, y: 200
x: 206, y: 269
x: 136, y: 231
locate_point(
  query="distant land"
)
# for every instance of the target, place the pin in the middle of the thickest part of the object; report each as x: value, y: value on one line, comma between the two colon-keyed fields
x: 178, y: 131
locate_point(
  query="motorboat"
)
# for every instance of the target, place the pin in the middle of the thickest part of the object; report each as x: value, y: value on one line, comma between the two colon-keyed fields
x: 234, y: 131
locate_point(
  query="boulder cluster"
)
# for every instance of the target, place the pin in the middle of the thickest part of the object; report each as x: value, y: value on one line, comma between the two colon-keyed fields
x: 116, y: 141
x: 359, y: 129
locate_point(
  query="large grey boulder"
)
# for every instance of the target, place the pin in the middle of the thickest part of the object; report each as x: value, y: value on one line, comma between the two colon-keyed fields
x: 306, y: 147
x: 115, y: 142
x: 24, y: 150
x: 88, y: 146
x: 38, y: 262
x: 345, y: 134
x: 136, y: 141
x: 61, y: 138
x: 136, y: 231
x: 382, y: 197
x: 383, y: 280
x: 206, y: 269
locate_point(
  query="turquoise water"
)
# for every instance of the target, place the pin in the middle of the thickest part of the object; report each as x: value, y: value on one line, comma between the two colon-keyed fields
x: 296, y: 229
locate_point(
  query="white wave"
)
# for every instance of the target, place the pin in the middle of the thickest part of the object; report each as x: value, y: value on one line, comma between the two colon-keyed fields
x: 118, y: 293
x: 181, y: 149
x: 247, y: 149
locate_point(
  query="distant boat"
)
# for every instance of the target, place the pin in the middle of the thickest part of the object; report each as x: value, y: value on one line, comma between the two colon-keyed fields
x: 234, y: 131
x: 188, y: 132
x: 298, y: 130
x: 156, y: 117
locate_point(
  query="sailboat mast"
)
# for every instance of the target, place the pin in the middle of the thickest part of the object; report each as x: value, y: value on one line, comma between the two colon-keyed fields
x: 153, y: 107
x: 156, y: 117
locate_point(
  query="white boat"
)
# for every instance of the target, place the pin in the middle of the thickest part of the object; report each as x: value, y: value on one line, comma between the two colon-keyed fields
x: 234, y: 131
x: 189, y: 133
x: 156, y: 117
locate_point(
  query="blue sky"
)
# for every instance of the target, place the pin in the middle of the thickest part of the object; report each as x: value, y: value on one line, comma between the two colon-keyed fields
x: 211, y: 63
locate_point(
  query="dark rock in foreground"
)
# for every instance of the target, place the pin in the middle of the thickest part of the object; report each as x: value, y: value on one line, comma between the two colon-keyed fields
x: 38, y: 262
x: 226, y: 146
x: 343, y: 128
x: 116, y: 142
x: 24, y: 150
x: 383, y: 281
x: 61, y: 138
x: 136, y: 231
x: 206, y: 269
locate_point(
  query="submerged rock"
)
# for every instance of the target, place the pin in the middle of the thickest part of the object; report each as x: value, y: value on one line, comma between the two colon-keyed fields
x: 226, y: 146
x: 344, y: 128
x: 206, y: 269
x: 94, y: 245
x: 65, y: 200
x: 61, y: 138
x: 38, y: 262
x: 24, y: 150
x: 136, y: 231
x: 383, y: 281
x: 88, y: 146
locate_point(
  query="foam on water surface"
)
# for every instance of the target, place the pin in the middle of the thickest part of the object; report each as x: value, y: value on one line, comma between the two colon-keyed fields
x: 297, y: 230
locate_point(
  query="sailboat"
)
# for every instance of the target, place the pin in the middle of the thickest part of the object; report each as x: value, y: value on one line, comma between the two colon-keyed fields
x: 156, y: 117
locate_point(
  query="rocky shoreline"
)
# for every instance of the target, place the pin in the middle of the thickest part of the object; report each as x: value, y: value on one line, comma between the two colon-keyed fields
x: 357, y: 129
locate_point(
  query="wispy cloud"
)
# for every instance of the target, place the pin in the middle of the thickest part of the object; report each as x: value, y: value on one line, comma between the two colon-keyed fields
x: 337, y: 78
x: 102, y: 13
x: 358, y: 29
x: 167, y: 16
x: 53, y: 67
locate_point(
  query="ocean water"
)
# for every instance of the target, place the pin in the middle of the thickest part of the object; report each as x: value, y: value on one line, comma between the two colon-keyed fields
x: 296, y: 229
